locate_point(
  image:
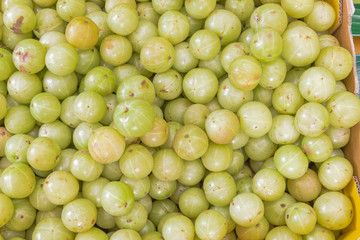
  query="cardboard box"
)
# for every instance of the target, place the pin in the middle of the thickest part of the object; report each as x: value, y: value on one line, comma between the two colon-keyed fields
x: 342, y: 30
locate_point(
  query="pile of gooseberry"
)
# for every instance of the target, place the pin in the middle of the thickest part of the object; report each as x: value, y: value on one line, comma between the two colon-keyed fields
x: 173, y: 119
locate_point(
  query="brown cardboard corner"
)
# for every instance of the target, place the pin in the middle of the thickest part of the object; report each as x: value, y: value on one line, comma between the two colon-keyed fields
x: 357, y: 44
x: 344, y: 35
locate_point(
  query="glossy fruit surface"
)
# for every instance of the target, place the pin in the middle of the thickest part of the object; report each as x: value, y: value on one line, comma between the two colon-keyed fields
x: 134, y: 117
x: 337, y: 60
x: 298, y: 50
x: 245, y: 73
x: 290, y: 161
x: 117, y: 198
x: 157, y: 54
x: 79, y: 215
x: 269, y: 15
x: 115, y: 50
x: 337, y: 106
x: 122, y: 19
x: 29, y: 56
x: 43, y: 153
x: 300, y: 218
x: 255, y: 119
x: 82, y: 33
x: 61, y: 59
x: 106, y: 145
x: 332, y: 204
x: 246, y: 209
x: 19, y: 18
x: 193, y: 149
x: 7, y: 65
x: 61, y: 180
x: 17, y: 181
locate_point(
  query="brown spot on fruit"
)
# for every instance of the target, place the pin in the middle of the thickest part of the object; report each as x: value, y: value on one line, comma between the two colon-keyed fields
x: 144, y: 84
x: 187, y: 136
x: 17, y: 25
x: 22, y: 69
x: 282, y: 205
x: 110, y: 46
x: 307, y: 150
